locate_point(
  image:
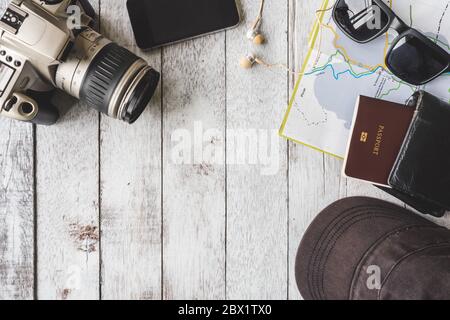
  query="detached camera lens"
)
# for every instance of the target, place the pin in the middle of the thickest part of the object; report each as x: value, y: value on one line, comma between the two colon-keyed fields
x: 119, y: 83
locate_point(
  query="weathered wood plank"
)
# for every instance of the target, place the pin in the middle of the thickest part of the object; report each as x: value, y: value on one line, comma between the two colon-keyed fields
x: 257, y: 193
x: 16, y: 207
x: 67, y: 204
x: 314, y: 178
x: 16, y: 210
x: 130, y: 185
x: 194, y: 188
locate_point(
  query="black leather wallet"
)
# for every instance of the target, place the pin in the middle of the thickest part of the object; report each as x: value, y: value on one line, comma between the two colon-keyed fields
x: 421, y: 174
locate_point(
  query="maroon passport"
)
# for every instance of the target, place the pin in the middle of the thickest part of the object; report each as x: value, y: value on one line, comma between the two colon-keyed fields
x: 378, y: 131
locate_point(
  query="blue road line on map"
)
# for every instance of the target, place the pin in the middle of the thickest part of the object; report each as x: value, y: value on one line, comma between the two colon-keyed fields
x: 336, y: 75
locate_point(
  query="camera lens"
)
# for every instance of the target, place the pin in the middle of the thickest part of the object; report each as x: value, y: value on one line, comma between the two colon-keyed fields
x: 107, y: 77
x: 118, y: 83
x: 139, y: 95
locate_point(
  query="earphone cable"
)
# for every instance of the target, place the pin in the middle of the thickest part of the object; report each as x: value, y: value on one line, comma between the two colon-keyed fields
x: 285, y: 67
x: 260, y: 14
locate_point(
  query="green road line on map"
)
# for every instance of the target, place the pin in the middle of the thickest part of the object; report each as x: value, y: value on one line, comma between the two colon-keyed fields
x: 391, y: 90
x: 350, y: 66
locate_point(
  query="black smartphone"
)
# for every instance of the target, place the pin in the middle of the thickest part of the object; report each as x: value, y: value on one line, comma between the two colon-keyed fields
x: 160, y: 22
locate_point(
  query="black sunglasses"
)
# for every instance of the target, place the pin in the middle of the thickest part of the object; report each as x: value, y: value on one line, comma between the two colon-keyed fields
x: 412, y: 57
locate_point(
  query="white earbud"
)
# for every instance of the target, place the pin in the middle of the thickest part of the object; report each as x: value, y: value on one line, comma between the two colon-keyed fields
x: 256, y: 37
x: 254, y: 33
x: 248, y: 61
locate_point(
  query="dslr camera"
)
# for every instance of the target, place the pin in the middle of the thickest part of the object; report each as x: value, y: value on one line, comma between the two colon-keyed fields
x: 51, y: 44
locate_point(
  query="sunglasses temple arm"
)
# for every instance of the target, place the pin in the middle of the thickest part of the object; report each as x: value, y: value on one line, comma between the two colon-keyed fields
x: 398, y: 25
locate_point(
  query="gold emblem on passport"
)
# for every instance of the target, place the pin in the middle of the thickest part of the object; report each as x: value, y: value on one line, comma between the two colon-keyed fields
x: 364, y: 136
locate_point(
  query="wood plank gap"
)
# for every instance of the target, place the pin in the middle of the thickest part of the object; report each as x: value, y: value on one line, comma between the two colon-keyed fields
x: 100, y: 256
x: 162, y: 173
x: 288, y: 59
x: 35, y: 219
x: 17, y: 208
x: 226, y: 172
x: 99, y: 203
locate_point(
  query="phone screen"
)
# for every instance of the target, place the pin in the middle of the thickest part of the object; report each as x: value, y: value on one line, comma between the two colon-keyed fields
x: 159, y: 22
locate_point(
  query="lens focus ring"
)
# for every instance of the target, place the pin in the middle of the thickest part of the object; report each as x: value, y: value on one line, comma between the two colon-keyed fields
x: 103, y: 76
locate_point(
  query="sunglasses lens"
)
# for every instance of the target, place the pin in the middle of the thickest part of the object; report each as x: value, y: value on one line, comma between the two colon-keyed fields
x: 415, y: 61
x: 361, y: 20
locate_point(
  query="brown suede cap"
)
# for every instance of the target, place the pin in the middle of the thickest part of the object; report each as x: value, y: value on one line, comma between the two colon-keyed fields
x: 367, y: 249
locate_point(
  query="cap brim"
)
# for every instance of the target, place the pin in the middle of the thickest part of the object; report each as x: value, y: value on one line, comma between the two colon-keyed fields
x: 337, y: 240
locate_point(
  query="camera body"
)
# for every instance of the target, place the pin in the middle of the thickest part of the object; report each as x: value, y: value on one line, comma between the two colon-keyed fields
x: 51, y: 44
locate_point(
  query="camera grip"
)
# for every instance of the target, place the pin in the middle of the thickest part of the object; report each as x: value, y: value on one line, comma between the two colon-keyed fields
x: 47, y: 113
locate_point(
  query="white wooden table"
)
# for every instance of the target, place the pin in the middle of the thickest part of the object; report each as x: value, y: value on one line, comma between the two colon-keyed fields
x: 93, y: 208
